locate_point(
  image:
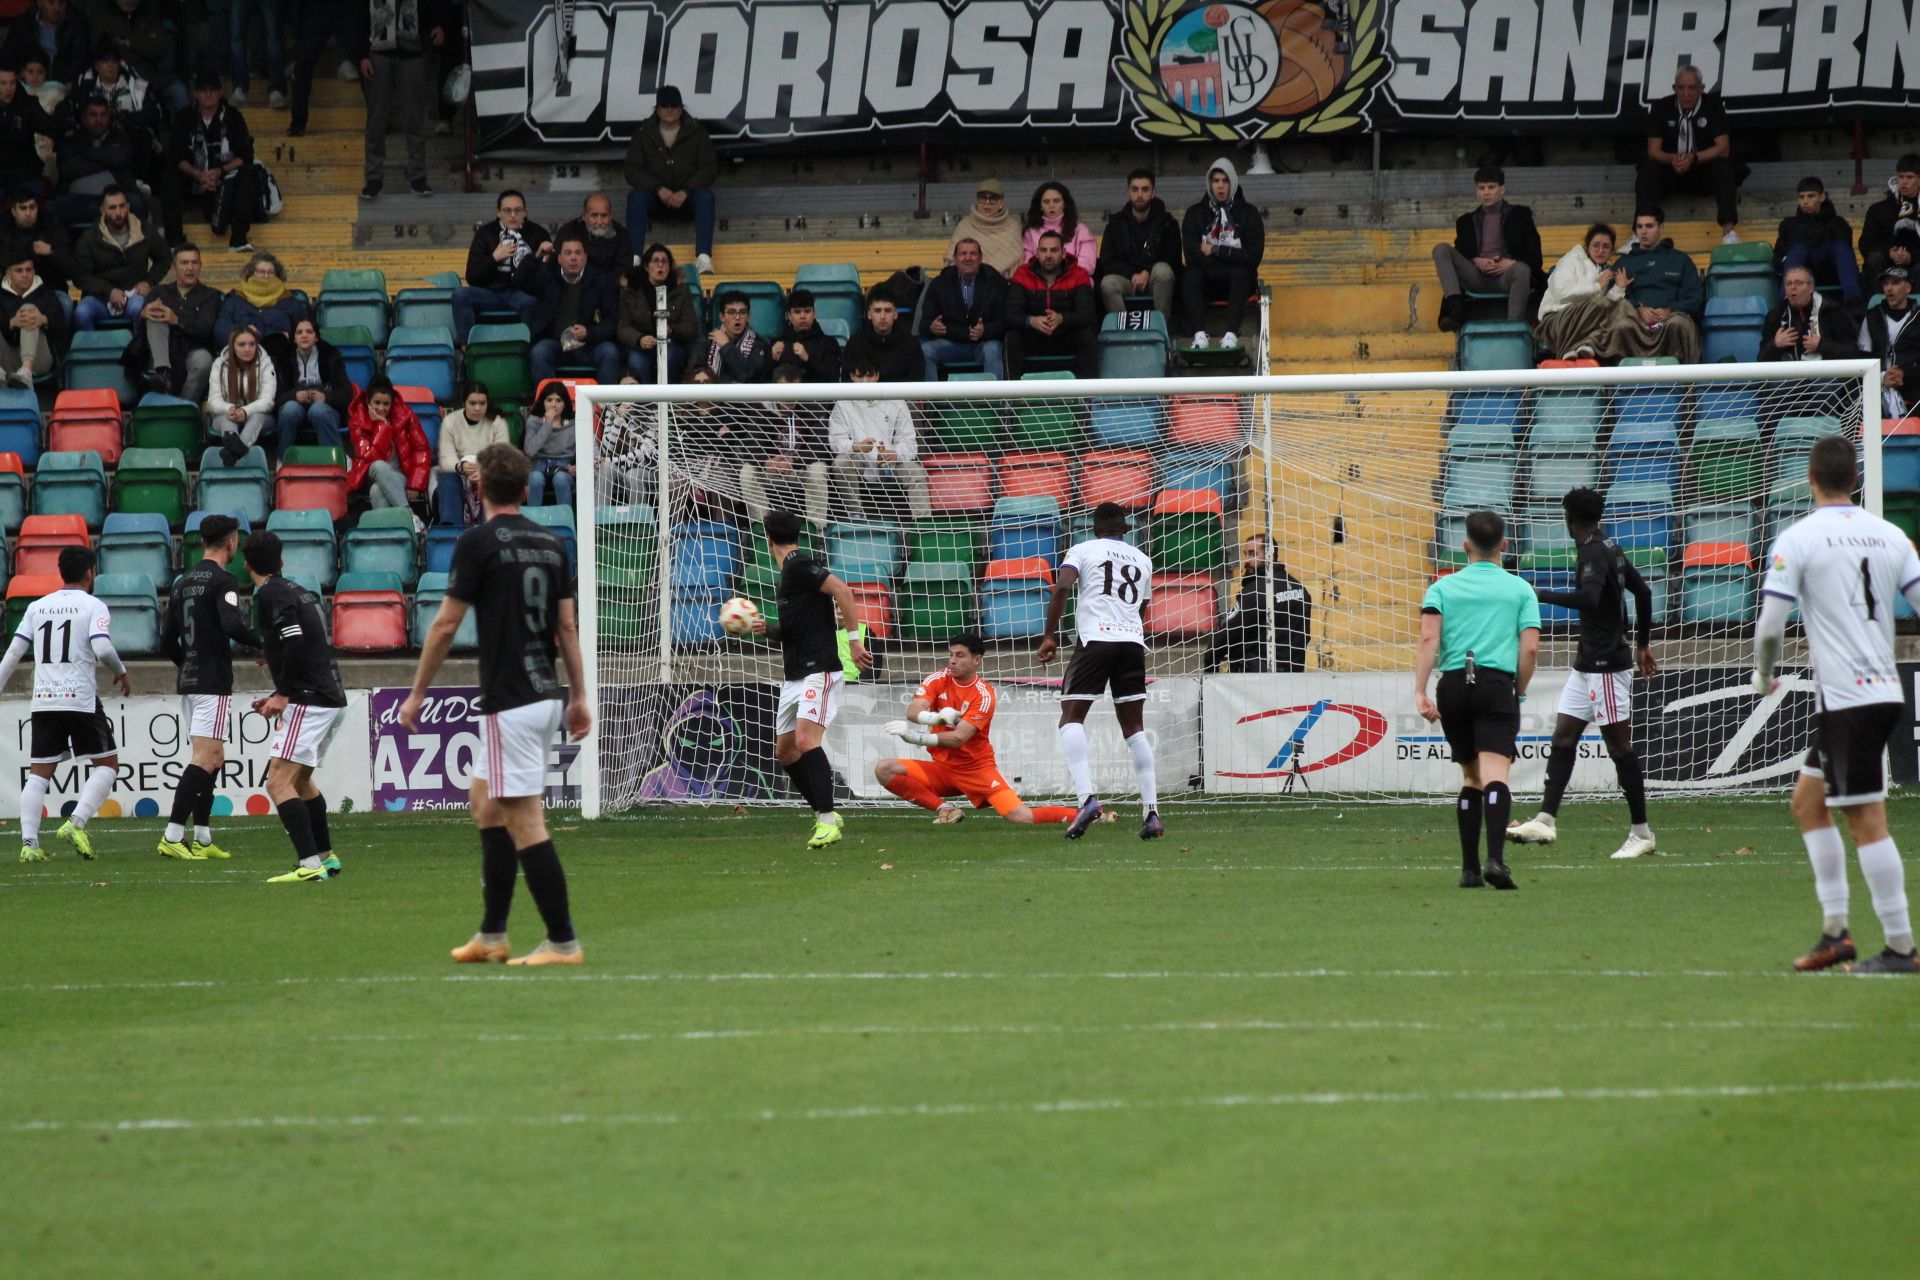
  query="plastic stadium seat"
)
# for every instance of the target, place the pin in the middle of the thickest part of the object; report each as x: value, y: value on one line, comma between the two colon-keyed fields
x: 1206, y: 468
x: 1731, y: 329
x: 1490, y: 472
x: 560, y: 521
x: 1450, y: 526
x: 865, y: 551
x: 705, y: 556
x: 133, y: 608
x: 1721, y: 522
x: 1013, y: 598
x: 93, y: 363
x: 369, y: 613
x: 23, y: 589
x: 936, y: 600
x: 873, y: 605
x: 167, y: 422
x: 760, y: 583
x: 427, y: 595
x: 71, y: 483
x: 837, y: 302
x: 1182, y: 605
x: 367, y: 308
x: 1044, y: 424
x: 383, y: 542
x: 1120, y: 424
x: 437, y: 552
x: 37, y: 549
x: 241, y: 488
x: 363, y: 279
x: 1742, y: 280
x: 1725, y: 458
x: 1568, y: 419
x: 20, y: 432
x: 152, y: 480
x: 431, y: 370
x: 767, y: 299
x: 1716, y: 583
x: 811, y: 275
x: 1023, y: 527
x: 1501, y: 409
x: 1726, y: 400
x: 307, y: 544
x: 629, y: 601
x: 429, y: 308
x: 13, y: 491
x: 1640, y: 515
x: 355, y: 344
x: 1189, y: 532
x: 963, y: 426
x: 1134, y: 353
x: 1552, y: 473
x: 834, y: 327
x: 191, y: 550
x: 141, y: 543
x: 1037, y: 475
x: 1899, y: 455
x: 497, y: 354
x: 946, y: 541
x: 1495, y: 344
x: 88, y: 422
x: 426, y: 408
x: 1552, y: 570
x: 1124, y: 476
x: 311, y: 486
x: 958, y: 482
x: 1479, y: 437
x: 694, y: 620
x: 1660, y: 463
x: 1203, y: 420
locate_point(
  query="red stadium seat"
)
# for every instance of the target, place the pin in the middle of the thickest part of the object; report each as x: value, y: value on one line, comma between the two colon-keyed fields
x: 1124, y: 476
x: 1021, y: 569
x: 37, y: 549
x: 958, y: 483
x: 1569, y: 364
x: 304, y: 486
x: 88, y: 421
x: 370, y: 621
x: 1183, y: 604
x: 1037, y: 475
x: 875, y: 605
x: 1203, y: 420
x: 93, y: 402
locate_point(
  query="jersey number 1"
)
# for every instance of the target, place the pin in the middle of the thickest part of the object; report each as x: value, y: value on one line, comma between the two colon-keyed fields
x: 66, y: 642
x: 1866, y: 587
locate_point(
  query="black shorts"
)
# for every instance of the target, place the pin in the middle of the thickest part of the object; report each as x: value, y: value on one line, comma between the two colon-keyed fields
x: 1479, y: 718
x: 1849, y: 751
x: 1100, y: 666
x: 84, y: 735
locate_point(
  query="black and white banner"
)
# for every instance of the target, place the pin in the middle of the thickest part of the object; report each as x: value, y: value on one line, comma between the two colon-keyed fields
x: 1216, y: 71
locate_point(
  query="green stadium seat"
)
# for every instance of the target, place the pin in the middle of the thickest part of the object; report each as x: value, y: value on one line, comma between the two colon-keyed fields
x: 191, y: 550
x: 1189, y: 532
x: 1724, y: 459
x: 498, y: 355
x: 967, y: 426
x: 152, y: 480
x: 167, y: 422
x: 23, y: 589
x: 947, y: 541
x: 1044, y: 424
x: 936, y: 600
x: 431, y: 307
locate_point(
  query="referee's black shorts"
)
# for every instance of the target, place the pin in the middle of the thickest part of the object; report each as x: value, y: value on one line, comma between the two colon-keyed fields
x: 1480, y: 718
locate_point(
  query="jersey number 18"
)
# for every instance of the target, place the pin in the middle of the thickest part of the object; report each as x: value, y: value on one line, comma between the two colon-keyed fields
x: 1129, y: 591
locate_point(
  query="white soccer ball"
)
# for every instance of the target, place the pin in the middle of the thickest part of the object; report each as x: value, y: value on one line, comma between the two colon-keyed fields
x: 737, y: 616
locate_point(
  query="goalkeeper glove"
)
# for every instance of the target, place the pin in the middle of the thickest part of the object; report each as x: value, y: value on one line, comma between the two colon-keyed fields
x: 1764, y: 684
x: 949, y: 717
x: 907, y: 733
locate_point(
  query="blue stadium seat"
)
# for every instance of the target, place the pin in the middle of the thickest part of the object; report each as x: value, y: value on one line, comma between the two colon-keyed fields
x: 1569, y: 418
x: 1024, y: 527
x: 430, y: 307
x: 1127, y: 424
x: 1205, y: 467
x: 1552, y: 473
x: 1731, y: 329
x: 560, y: 520
x: 383, y: 542
x: 1719, y: 522
x: 861, y: 551
x: 422, y: 357
x: 1488, y: 473
x: 1013, y: 598
x: 439, y: 549
x: 308, y: 547
x: 71, y: 484
x: 133, y: 607
x: 427, y: 595
x: 705, y: 557
x: 341, y: 308
x: 241, y: 489
x: 1640, y: 515
x: 137, y: 543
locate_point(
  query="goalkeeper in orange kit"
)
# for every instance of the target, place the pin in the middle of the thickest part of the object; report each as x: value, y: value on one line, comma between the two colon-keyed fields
x: 950, y: 714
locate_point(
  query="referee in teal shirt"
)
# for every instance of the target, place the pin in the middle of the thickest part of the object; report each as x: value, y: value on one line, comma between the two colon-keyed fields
x: 1482, y: 626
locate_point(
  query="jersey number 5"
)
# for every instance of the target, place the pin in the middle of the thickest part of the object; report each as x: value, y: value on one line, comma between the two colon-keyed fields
x: 1129, y: 582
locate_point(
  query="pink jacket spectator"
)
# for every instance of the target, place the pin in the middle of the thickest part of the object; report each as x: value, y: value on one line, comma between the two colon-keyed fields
x: 1080, y: 246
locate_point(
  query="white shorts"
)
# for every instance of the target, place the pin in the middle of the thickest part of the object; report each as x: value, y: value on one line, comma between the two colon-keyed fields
x: 514, y: 746
x: 207, y: 714
x: 815, y: 698
x: 304, y: 733
x: 1598, y: 697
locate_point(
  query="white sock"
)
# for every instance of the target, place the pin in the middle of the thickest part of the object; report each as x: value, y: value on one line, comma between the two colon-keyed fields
x: 1142, y: 748
x: 1828, y: 853
x: 1880, y: 864
x: 311, y: 864
x: 33, y: 798
x: 94, y: 794
x: 175, y: 833
x: 1641, y: 831
x: 1073, y: 745
x: 203, y: 835
x: 1546, y: 820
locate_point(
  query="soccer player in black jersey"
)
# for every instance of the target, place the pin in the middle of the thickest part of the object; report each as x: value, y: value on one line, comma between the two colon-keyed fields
x: 307, y: 701
x: 205, y: 619
x: 814, y: 607
x: 513, y: 574
x: 1600, y: 688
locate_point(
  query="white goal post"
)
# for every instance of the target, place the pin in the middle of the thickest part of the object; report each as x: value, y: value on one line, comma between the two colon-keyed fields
x: 1357, y: 481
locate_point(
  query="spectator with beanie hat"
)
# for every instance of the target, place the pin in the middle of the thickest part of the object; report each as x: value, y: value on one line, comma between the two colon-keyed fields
x: 671, y: 166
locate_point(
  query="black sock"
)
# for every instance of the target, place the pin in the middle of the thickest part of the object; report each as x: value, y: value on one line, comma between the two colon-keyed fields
x: 317, y: 816
x: 499, y: 870
x: 203, y: 807
x: 820, y: 778
x: 1499, y: 807
x: 1471, y: 800
x: 1559, y: 774
x: 802, y: 779
x: 186, y: 794
x: 548, y: 885
x: 298, y: 820
x: 1633, y: 783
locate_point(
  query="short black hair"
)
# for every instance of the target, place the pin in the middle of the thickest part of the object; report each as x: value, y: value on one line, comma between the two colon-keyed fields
x: 205, y: 80
x: 1485, y: 529
x: 1584, y: 506
x: 799, y: 298
x: 971, y: 641
x: 75, y: 564
x: 22, y: 251
x: 105, y: 48
x: 564, y: 241
x: 862, y: 364
x: 783, y: 528
x: 1050, y: 233
x: 262, y: 553
x: 510, y: 191
x: 1810, y: 183
x: 1490, y: 173
x: 108, y: 193
x: 1136, y: 174
x: 1831, y: 464
x: 727, y: 299
x: 216, y: 529
x: 789, y: 371
x: 1908, y: 163
x: 1109, y: 515
x: 1653, y: 211
x: 185, y: 246
x: 380, y: 387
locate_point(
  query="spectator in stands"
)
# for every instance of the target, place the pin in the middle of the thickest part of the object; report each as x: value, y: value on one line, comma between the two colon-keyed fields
x: 1051, y: 311
x: 785, y: 443
x: 965, y: 312
x: 32, y: 325
x: 133, y: 103
x: 1658, y: 315
x: 38, y: 82
x: 578, y: 312
x: 886, y: 344
x: 609, y: 247
x: 1795, y: 329
x: 549, y: 446
x: 139, y: 30
x: 1495, y: 249
x: 671, y: 166
x: 56, y: 33
x: 172, y: 351
x: 317, y: 22
x: 1140, y: 252
x: 1690, y: 151
x: 804, y: 343
x: 24, y: 130
x: 387, y: 38
x: 873, y: 444
x: 637, y: 330
x: 706, y: 470
x: 241, y: 392
x: 733, y: 350
x: 1891, y: 336
x: 119, y: 263
x: 1585, y: 269
x: 1818, y: 237
x: 503, y: 265
x: 262, y: 301
x: 388, y: 449
x: 624, y: 470
x: 227, y: 24
x: 95, y: 156
x: 992, y: 227
x: 1225, y: 239
x: 1053, y: 209
x: 1891, y: 231
x: 463, y: 434
x: 314, y: 389
x: 33, y: 224
x: 1271, y: 602
x: 211, y: 153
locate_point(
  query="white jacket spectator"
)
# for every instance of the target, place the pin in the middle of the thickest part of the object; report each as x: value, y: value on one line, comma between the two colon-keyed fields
x: 1578, y: 272
x: 873, y: 441
x: 241, y: 391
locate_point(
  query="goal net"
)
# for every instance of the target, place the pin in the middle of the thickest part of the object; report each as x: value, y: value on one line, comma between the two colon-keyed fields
x: 1294, y: 524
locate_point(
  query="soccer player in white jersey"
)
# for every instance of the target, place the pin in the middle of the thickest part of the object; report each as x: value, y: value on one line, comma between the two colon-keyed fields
x: 65, y: 634
x: 1843, y: 567
x: 1116, y: 581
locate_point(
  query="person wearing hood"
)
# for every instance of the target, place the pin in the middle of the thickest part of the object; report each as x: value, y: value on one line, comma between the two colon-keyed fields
x: 1890, y: 234
x: 886, y: 344
x: 992, y: 227
x: 1793, y: 328
x: 1495, y: 249
x: 1051, y: 311
x: 32, y: 324
x: 1225, y: 239
x: 1140, y: 252
x: 733, y: 351
x: 1817, y: 237
x: 1891, y: 335
x: 1053, y: 209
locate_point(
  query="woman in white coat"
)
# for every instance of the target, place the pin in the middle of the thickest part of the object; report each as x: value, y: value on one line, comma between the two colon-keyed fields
x: 1581, y: 272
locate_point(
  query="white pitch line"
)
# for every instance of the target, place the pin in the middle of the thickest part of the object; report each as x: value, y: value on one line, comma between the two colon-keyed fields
x: 928, y: 1110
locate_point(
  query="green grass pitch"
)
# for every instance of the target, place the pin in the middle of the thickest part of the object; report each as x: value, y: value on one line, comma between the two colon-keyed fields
x: 1279, y: 1042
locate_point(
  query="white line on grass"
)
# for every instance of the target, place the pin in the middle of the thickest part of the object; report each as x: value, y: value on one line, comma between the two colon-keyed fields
x: 1060, y: 1106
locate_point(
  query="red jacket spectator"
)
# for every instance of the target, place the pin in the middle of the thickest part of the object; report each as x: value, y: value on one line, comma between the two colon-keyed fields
x: 372, y: 441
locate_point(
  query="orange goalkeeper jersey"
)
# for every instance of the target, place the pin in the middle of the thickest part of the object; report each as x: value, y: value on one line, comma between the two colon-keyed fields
x: 974, y: 701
